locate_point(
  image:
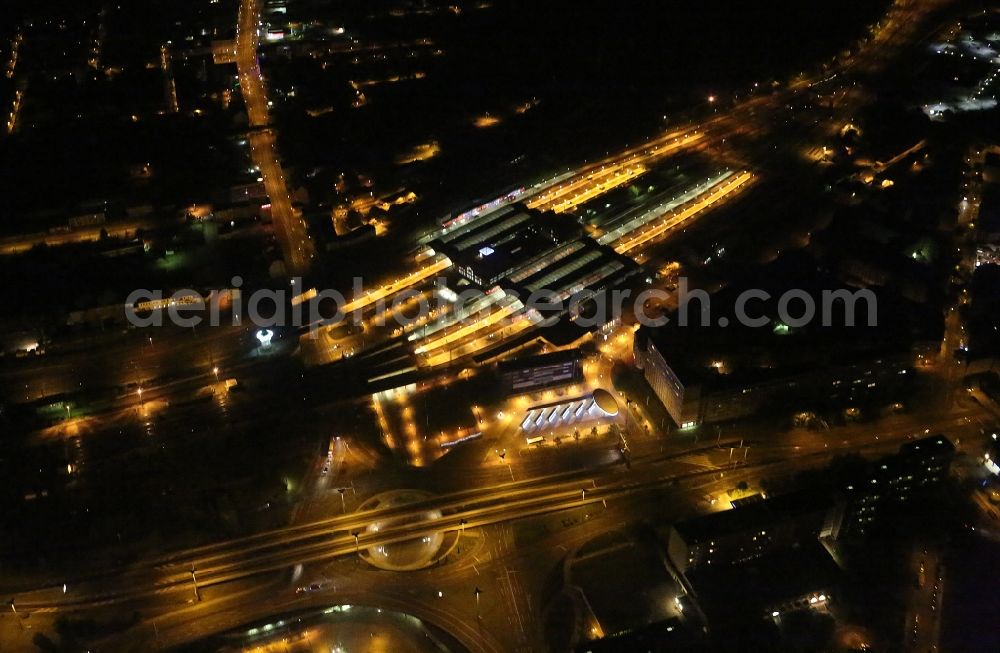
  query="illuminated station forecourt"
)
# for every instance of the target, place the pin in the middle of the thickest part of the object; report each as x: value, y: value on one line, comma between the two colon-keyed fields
x: 564, y: 404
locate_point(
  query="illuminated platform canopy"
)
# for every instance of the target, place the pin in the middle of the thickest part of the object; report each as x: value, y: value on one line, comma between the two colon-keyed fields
x: 599, y: 405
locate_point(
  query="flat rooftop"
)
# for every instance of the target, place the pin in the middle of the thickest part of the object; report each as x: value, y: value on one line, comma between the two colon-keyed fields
x: 753, y: 515
x: 526, y: 250
x: 748, y: 592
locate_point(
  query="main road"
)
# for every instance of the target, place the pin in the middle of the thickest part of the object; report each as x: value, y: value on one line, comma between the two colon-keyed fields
x: 289, y: 227
x: 322, y: 540
x: 247, y: 580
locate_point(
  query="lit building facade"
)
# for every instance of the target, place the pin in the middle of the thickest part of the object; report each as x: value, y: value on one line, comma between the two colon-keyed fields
x: 919, y: 466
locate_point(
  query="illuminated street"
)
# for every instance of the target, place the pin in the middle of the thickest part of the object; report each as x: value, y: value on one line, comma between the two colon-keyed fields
x: 289, y: 228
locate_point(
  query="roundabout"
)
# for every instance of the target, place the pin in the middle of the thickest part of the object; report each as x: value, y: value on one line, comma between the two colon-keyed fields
x: 407, y: 555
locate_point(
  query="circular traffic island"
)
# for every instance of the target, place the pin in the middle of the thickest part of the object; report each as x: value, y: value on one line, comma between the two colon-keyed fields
x: 397, y: 551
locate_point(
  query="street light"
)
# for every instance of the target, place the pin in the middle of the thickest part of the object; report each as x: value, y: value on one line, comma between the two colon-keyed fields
x: 194, y: 579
